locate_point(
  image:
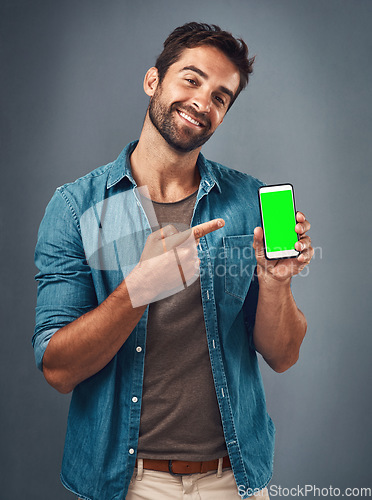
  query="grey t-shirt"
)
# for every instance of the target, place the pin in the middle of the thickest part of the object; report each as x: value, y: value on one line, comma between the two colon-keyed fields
x: 180, y: 418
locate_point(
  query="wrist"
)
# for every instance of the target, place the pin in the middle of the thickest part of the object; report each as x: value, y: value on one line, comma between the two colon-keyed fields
x: 138, y: 287
x: 270, y: 282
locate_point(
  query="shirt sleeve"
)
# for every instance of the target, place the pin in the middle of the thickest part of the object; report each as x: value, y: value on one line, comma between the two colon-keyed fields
x: 250, y: 307
x: 65, y: 286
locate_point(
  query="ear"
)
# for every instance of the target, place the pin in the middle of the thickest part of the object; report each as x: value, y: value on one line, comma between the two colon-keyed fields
x: 151, y: 81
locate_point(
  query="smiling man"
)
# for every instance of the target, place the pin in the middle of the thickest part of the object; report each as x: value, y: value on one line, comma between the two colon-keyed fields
x: 183, y: 81
x: 154, y: 297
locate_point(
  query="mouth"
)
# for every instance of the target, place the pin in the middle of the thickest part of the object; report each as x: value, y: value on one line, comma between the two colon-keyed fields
x: 190, y: 119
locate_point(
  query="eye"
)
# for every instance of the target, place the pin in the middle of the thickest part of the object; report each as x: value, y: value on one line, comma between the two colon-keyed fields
x: 190, y: 80
x: 219, y: 100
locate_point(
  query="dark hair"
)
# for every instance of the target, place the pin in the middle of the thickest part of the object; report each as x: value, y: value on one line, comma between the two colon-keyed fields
x: 195, y: 34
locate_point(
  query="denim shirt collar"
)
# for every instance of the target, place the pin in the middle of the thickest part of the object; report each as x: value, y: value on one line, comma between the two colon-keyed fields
x: 121, y: 168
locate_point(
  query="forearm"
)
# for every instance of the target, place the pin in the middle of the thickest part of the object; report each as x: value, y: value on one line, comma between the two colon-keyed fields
x: 280, y: 326
x: 82, y: 348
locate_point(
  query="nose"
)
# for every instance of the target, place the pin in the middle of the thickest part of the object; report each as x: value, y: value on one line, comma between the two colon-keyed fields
x: 202, y: 101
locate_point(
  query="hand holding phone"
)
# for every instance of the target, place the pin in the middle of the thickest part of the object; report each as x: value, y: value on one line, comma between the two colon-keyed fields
x: 278, y: 217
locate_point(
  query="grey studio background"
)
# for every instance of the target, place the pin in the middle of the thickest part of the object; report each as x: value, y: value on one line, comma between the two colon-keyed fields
x: 72, y: 98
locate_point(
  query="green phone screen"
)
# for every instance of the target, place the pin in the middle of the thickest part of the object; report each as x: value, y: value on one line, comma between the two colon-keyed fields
x: 279, y: 220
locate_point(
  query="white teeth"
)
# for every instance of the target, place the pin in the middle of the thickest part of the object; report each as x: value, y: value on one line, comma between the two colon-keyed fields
x: 188, y: 118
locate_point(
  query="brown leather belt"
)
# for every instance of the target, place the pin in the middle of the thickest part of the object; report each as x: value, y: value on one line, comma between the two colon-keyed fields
x: 183, y: 467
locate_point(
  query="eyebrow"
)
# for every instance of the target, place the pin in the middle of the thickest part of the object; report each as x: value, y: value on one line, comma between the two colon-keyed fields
x: 201, y: 73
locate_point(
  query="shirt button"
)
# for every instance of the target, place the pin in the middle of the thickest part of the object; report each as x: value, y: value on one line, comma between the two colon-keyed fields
x: 131, y: 451
x: 139, y: 348
x: 134, y: 399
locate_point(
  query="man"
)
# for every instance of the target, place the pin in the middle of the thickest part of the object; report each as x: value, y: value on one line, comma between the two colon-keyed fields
x: 156, y: 337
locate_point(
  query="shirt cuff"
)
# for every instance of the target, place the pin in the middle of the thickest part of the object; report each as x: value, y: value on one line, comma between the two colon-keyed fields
x: 40, y: 344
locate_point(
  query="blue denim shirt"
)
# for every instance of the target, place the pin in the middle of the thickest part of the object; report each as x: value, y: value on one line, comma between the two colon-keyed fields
x: 90, y: 238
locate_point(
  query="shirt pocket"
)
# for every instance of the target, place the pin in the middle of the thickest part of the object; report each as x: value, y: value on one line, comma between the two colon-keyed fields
x: 240, y: 263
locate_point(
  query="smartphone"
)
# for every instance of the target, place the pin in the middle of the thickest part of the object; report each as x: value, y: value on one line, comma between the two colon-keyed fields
x: 278, y: 217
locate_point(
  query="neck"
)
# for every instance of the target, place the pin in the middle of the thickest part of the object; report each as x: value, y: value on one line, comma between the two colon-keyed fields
x: 169, y: 175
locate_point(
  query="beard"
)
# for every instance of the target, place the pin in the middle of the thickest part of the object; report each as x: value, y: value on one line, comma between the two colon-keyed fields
x: 181, y: 138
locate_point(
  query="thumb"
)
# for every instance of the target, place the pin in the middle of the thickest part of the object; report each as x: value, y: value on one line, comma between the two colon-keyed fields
x: 258, y: 244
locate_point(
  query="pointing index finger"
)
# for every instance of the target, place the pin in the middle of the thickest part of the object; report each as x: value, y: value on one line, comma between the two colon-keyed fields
x: 207, y: 227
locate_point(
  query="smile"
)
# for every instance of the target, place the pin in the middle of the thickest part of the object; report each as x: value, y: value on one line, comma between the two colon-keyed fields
x: 189, y: 119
